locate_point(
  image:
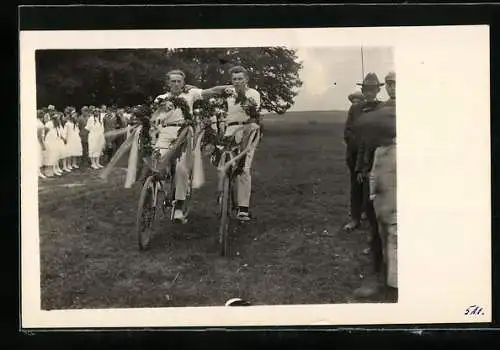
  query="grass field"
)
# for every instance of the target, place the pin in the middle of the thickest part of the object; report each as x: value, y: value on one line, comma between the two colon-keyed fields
x: 293, y: 252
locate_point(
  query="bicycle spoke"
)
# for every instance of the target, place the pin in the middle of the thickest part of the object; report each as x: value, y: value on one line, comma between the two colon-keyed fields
x: 147, y: 212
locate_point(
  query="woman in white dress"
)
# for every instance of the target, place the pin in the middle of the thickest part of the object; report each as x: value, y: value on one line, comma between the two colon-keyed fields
x: 66, y: 153
x: 96, y: 139
x: 62, y: 144
x: 51, y: 154
x: 102, y: 141
x: 41, y: 143
x: 74, y: 141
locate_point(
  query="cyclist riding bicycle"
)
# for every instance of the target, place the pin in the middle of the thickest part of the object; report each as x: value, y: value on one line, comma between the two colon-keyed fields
x: 171, y: 112
x: 243, y: 109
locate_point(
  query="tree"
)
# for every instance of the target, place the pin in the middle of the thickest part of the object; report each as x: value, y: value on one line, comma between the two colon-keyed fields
x: 128, y: 77
x: 274, y: 71
x: 85, y: 77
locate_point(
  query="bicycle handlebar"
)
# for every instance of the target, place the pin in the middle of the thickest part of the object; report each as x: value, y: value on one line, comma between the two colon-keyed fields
x: 226, y: 166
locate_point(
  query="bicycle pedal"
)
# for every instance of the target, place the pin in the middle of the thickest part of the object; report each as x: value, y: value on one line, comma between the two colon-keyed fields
x: 165, y: 206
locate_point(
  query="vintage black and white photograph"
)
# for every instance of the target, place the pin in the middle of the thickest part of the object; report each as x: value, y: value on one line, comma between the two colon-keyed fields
x: 218, y: 176
x: 264, y: 191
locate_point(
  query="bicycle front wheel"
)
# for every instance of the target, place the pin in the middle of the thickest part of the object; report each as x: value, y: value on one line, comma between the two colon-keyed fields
x: 148, y: 211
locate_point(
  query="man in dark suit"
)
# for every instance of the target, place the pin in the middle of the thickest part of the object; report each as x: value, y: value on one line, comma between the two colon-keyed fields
x: 110, y: 123
x: 370, y: 87
x: 378, y: 132
x: 113, y: 121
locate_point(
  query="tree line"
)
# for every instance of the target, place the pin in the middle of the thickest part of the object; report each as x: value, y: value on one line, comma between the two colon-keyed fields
x: 128, y: 77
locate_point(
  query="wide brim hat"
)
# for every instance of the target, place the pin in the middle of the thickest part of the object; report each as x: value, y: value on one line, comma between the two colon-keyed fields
x: 371, y: 79
x: 391, y: 76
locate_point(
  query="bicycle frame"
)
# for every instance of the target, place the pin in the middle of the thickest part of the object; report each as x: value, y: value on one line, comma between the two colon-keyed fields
x: 186, y: 135
x: 224, y: 166
x: 230, y: 156
x: 157, y: 163
x: 227, y: 195
x: 156, y: 181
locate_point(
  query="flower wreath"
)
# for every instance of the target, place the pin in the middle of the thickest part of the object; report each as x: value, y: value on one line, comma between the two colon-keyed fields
x: 240, y: 98
x: 177, y: 102
x: 144, y: 113
x: 214, y: 107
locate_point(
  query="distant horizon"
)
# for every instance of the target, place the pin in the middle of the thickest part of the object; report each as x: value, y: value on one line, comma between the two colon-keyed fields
x: 309, y: 110
x: 330, y: 74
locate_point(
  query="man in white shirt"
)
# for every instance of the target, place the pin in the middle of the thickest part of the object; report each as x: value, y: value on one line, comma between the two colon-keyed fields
x: 243, y: 108
x: 169, y: 123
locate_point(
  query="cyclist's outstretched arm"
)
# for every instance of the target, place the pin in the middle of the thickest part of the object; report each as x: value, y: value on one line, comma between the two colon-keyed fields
x: 214, y: 91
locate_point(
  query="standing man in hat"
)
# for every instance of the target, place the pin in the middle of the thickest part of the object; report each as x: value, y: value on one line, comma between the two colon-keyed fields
x: 378, y: 131
x: 370, y: 87
x: 356, y: 98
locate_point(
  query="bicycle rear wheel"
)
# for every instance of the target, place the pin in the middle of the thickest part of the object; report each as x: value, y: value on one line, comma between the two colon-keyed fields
x: 149, y: 211
x: 225, y: 215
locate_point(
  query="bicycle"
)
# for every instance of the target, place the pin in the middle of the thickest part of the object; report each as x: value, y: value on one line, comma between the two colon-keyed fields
x: 230, y: 154
x: 158, y: 190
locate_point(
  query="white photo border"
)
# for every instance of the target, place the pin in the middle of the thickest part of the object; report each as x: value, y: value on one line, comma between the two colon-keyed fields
x: 444, y: 215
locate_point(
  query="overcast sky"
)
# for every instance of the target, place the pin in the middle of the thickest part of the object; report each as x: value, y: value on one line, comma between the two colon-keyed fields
x: 329, y: 75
